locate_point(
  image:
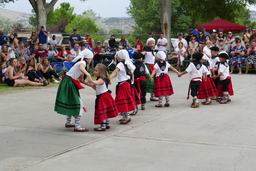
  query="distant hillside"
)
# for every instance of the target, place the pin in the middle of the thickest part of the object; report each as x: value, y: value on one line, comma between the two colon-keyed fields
x: 122, y: 23
x: 15, y: 16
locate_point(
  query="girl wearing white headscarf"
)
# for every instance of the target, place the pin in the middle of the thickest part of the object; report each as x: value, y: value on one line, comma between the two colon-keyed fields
x: 150, y: 62
x: 163, y: 86
x: 126, y: 97
x: 68, y: 101
x: 207, y: 88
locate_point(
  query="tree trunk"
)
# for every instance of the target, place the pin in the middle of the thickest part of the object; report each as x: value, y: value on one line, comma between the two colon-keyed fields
x: 41, y: 10
x: 165, y: 14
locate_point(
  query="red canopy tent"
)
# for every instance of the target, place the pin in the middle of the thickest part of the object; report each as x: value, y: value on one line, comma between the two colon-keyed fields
x: 222, y: 24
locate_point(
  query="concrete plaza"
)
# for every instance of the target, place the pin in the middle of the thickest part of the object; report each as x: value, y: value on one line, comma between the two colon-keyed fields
x: 218, y: 137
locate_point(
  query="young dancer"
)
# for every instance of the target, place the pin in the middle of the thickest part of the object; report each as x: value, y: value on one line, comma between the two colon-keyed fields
x: 163, y: 85
x: 195, y: 69
x: 125, y: 94
x: 225, y: 89
x: 105, y: 106
x: 139, y: 78
x: 68, y: 101
x: 149, y: 60
x: 214, y: 61
x: 207, y: 89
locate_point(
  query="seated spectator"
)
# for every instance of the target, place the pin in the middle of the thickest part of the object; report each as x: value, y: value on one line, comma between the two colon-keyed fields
x: 180, y: 39
x: 15, y: 40
x: 33, y: 50
x: 13, y: 80
x: 97, y: 58
x: 47, y: 71
x: 234, y: 43
x: 62, y: 55
x: 206, y: 49
x: 251, y: 57
x: 69, y: 58
x: 33, y: 40
x: 52, y: 52
x: 124, y: 42
x: 87, y: 46
x: 253, y: 35
x: 229, y: 40
x: 203, y: 29
x: 3, y: 38
x: 23, y: 51
x: 200, y: 41
x: 222, y: 35
x: 138, y: 45
x: 107, y: 47
x: 112, y: 42
x: 41, y: 53
x: 237, y: 58
x: 13, y: 52
x: 206, y: 38
x: 181, y: 51
x: 53, y: 41
x: 82, y: 46
x: 5, y: 55
x: 75, y: 51
x: 193, y: 46
x: 89, y: 40
x: 33, y: 73
x: 23, y: 64
x: 214, y: 37
x: 246, y: 36
x: 222, y: 46
x: 190, y: 35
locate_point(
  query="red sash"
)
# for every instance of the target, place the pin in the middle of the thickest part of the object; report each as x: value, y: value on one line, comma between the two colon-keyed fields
x: 138, y: 84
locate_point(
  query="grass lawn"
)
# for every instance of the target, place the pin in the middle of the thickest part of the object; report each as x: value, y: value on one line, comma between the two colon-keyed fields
x: 4, y: 88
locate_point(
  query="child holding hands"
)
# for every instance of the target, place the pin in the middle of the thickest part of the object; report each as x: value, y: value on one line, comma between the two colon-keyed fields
x: 163, y: 85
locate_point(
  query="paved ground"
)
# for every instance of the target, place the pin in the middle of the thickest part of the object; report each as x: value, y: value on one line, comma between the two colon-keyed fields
x: 211, y: 138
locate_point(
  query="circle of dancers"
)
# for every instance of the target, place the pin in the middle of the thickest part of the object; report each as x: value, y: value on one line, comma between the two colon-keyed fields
x: 147, y: 73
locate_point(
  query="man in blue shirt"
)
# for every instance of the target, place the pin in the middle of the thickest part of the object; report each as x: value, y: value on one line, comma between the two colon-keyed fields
x: 3, y: 38
x: 43, y: 35
x: 74, y: 38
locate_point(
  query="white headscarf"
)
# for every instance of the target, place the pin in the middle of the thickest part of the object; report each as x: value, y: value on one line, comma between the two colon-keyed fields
x: 161, y: 55
x: 123, y: 54
x: 86, y: 53
x: 149, y: 39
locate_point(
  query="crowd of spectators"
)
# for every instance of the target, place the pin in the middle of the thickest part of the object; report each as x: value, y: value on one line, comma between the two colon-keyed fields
x: 34, y: 57
x: 241, y: 49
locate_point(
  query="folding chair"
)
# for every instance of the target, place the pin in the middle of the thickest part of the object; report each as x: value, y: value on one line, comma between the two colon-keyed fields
x: 67, y: 66
x: 58, y: 66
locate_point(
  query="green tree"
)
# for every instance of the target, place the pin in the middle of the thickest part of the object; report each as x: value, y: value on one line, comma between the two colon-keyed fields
x: 6, y: 24
x: 207, y: 11
x: 65, y: 11
x: 83, y: 25
x: 97, y: 19
x: 115, y: 31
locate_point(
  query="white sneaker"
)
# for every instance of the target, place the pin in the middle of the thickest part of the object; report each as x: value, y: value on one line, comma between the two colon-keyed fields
x: 56, y: 81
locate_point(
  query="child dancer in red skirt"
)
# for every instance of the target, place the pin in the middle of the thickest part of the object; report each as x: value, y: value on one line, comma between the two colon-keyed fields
x: 207, y: 88
x: 225, y: 89
x: 163, y: 85
x: 126, y: 97
x: 105, y: 106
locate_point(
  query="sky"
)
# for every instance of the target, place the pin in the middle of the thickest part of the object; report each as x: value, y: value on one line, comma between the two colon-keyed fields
x: 104, y: 8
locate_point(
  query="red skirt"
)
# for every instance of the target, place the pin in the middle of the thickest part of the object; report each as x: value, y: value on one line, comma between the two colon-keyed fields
x: 125, y: 97
x: 207, y: 89
x: 229, y: 88
x: 163, y: 86
x: 105, y: 108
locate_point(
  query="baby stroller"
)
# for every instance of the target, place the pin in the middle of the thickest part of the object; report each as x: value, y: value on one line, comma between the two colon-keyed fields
x: 109, y: 59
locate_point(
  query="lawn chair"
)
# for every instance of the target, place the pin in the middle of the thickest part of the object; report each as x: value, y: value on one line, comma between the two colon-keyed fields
x: 58, y: 66
x: 67, y: 66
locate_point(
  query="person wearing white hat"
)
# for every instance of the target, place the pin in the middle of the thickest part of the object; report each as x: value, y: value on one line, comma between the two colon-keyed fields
x: 126, y: 96
x: 163, y: 86
x: 68, y: 101
x: 207, y: 88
